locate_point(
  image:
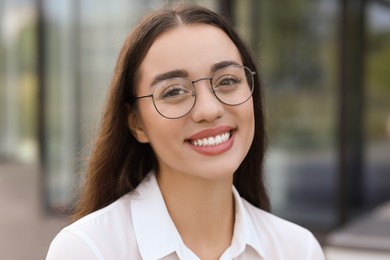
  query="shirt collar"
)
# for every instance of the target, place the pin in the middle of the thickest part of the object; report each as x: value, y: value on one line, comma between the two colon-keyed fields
x: 244, y: 229
x: 156, y: 239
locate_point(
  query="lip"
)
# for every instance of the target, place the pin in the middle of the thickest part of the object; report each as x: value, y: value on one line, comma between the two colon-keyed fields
x: 216, y: 149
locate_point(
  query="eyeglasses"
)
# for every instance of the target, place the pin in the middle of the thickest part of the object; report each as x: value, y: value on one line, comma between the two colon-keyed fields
x: 174, y: 98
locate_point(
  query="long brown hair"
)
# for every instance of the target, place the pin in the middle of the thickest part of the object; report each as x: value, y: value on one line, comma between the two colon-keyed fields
x: 119, y: 162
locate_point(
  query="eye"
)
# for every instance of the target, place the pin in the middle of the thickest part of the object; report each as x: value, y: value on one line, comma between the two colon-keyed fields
x: 226, y: 82
x: 173, y: 91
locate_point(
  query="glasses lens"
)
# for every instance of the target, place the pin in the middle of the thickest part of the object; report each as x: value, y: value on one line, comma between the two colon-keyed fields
x: 174, y: 98
x: 233, y: 85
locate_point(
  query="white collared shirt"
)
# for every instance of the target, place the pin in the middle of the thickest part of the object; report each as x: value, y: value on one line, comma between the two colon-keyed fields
x: 138, y: 226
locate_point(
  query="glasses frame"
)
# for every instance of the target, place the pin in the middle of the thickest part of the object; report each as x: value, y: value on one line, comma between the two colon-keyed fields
x: 210, y: 79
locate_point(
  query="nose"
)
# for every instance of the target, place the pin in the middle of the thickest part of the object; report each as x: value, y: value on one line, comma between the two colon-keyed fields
x: 207, y: 107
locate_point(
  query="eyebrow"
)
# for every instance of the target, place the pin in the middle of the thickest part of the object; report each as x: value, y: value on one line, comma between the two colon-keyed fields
x: 223, y: 64
x: 169, y: 75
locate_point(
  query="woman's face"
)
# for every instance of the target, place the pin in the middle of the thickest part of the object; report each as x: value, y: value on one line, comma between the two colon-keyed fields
x: 194, y: 51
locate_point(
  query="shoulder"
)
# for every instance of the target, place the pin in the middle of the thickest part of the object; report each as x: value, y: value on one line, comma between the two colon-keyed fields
x: 68, y: 245
x: 111, y: 216
x: 268, y: 221
x: 104, y: 234
x: 282, y: 237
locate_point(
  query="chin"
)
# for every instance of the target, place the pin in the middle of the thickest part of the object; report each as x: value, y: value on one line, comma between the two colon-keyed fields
x: 216, y: 173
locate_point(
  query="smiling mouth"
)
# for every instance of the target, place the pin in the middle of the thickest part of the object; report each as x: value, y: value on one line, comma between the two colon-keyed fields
x: 212, y: 140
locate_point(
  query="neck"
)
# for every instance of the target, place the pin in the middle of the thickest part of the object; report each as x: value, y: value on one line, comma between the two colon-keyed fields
x: 202, y: 210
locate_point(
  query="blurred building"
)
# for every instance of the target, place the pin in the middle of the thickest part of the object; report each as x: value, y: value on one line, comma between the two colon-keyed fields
x: 325, y: 65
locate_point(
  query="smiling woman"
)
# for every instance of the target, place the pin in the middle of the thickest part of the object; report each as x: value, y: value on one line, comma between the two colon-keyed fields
x: 176, y: 172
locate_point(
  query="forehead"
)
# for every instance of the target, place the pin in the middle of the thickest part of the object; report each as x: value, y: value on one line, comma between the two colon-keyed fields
x: 193, y: 48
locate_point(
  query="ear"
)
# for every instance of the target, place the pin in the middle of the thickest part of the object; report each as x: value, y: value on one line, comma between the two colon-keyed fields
x: 135, y: 125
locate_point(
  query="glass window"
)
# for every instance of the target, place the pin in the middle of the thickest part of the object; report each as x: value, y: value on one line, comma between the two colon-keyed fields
x: 377, y: 102
x: 298, y: 61
x: 18, y: 82
x: 60, y: 100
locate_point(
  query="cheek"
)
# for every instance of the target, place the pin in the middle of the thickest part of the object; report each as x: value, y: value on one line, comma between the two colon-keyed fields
x: 160, y: 131
x: 147, y: 112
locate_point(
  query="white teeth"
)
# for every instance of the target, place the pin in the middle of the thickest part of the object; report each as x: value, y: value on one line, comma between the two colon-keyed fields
x: 212, y: 141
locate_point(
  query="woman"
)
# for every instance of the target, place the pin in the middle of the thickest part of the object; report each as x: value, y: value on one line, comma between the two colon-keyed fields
x: 177, y: 168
